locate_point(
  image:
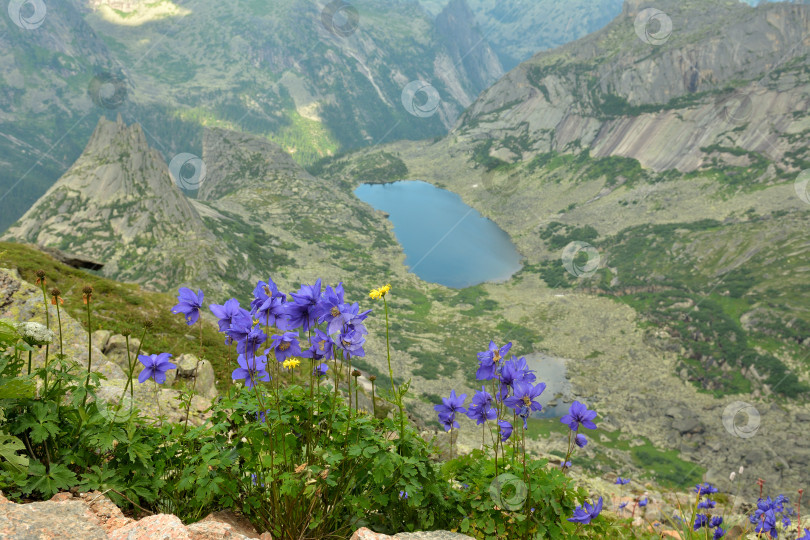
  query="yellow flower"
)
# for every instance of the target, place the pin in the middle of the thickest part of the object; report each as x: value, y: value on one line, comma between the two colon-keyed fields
x: 376, y: 294
x: 291, y: 363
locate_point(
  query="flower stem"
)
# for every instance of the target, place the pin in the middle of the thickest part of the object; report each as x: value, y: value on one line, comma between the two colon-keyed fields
x: 391, y: 374
x: 89, y: 350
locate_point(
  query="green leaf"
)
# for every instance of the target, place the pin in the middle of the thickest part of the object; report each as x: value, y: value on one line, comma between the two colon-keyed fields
x: 9, y: 446
x: 50, y: 483
x: 17, y: 388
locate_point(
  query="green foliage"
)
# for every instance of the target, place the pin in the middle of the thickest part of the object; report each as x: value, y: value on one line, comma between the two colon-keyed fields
x: 534, y: 502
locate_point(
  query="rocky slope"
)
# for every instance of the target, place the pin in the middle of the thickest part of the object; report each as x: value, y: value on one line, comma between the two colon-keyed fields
x: 677, y: 101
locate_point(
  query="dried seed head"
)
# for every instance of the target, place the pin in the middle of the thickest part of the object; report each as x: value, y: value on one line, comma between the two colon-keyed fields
x: 88, y: 290
x: 56, y: 292
x: 148, y: 323
x: 40, y: 274
x: 126, y: 332
x: 372, y: 378
x: 356, y: 373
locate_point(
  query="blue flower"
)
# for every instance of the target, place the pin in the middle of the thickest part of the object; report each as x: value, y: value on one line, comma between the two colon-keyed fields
x: 251, y: 343
x: 482, y: 413
x: 719, y: 533
x: 448, y: 420
x: 227, y: 312
x: 705, y: 489
x: 403, y: 494
x: 251, y: 371
x: 285, y: 345
x: 716, y: 521
x: 643, y: 502
x: 622, y: 481
x: 525, y: 395
x: 330, y: 303
x: 700, y: 521
x: 352, y: 340
x: 581, y: 440
x: 320, y: 370
x: 506, y: 430
x: 155, y: 367
x: 621, y: 506
x: 321, y: 347
x: 767, y: 524
x: 489, y: 361
x: 514, y: 371
x: 806, y: 535
x: 706, y: 503
x: 578, y: 414
x: 586, y: 514
x: 453, y: 404
x: 302, y: 310
x: 348, y: 315
x: 189, y: 304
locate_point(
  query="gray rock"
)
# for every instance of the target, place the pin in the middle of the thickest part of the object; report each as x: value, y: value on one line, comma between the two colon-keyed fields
x: 187, y: 368
x: 70, y: 519
x: 116, y: 350
x: 100, y: 338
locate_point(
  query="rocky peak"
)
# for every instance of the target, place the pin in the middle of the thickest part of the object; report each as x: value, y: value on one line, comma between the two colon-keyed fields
x: 238, y: 160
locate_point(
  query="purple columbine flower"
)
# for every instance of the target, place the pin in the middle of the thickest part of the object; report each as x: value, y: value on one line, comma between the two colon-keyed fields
x: 524, y: 396
x: 767, y: 524
x: 286, y: 345
x: 268, y: 305
x: 320, y: 370
x: 490, y: 361
x: 348, y: 315
x: 189, y: 304
x: 251, y: 370
x: 448, y: 420
x: 453, y: 404
x: 302, y: 310
x: 643, y: 502
x: 581, y: 440
x: 585, y: 514
x: 330, y: 303
x: 252, y: 342
x: 155, y: 367
x: 228, y: 312
x: 506, y: 430
x: 482, y: 413
x: 352, y: 340
x: 716, y: 521
x: 578, y: 414
x: 321, y: 346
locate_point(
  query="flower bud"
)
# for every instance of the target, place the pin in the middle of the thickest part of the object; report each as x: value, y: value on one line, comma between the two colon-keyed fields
x: 147, y: 323
x: 56, y: 292
x: 88, y: 290
x: 356, y: 373
x: 731, y: 476
x: 40, y: 274
x: 372, y: 378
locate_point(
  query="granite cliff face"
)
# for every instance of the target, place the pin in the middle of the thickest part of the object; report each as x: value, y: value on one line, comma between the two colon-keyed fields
x: 725, y: 75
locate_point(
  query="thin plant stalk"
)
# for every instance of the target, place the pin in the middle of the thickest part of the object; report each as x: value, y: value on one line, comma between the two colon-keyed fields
x: 391, y: 375
x: 194, y: 383
x: 89, y: 346
x: 48, y: 326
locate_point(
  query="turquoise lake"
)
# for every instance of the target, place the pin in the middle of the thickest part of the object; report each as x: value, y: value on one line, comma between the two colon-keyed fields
x: 445, y: 241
